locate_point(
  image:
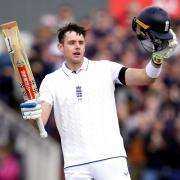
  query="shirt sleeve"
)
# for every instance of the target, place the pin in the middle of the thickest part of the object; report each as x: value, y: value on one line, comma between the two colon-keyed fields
x: 115, y: 68
x: 45, y: 91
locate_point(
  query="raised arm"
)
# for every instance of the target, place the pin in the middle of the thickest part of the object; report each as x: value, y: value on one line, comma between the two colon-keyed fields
x: 139, y: 77
x: 152, y: 27
x: 153, y: 68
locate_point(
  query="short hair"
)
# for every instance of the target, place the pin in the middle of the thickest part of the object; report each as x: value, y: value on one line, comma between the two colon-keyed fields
x: 70, y: 27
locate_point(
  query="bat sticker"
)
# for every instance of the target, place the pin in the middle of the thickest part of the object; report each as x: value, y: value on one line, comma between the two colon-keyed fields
x: 9, y: 45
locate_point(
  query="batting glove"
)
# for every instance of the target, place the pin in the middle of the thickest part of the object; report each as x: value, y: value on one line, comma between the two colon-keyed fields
x: 159, y: 56
x: 31, y: 109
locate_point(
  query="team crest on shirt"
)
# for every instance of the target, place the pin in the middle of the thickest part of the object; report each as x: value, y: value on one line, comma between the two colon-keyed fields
x: 79, y: 92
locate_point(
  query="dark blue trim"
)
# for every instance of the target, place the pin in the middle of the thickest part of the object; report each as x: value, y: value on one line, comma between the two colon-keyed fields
x: 95, y: 161
x: 76, y: 72
x: 64, y: 72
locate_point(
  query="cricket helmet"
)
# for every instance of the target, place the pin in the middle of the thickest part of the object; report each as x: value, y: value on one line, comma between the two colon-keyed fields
x: 152, y: 26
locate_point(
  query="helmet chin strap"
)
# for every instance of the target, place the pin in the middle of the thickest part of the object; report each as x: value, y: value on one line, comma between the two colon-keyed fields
x: 156, y: 46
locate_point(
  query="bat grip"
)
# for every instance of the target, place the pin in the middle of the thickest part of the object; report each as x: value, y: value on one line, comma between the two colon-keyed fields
x: 42, y: 130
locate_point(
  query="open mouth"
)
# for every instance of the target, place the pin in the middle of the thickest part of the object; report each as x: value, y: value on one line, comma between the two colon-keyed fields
x: 76, y: 53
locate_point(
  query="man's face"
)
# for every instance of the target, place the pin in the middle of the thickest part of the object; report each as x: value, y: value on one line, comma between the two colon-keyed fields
x: 73, y: 47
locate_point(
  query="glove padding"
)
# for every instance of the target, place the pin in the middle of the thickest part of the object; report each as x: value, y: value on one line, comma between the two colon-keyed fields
x: 31, y: 109
x: 169, y: 50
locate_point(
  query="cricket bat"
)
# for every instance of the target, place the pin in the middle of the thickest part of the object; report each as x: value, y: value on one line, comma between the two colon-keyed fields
x: 21, y: 66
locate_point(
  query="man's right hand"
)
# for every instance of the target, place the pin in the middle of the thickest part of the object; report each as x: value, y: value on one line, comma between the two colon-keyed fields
x: 31, y: 109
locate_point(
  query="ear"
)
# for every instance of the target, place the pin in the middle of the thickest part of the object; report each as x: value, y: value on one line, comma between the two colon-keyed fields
x: 60, y: 46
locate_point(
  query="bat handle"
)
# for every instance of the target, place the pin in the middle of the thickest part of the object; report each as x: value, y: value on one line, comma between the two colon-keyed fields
x: 42, y: 130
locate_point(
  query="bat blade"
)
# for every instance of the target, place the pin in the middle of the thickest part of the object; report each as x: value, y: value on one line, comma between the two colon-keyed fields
x: 21, y: 65
x: 19, y: 60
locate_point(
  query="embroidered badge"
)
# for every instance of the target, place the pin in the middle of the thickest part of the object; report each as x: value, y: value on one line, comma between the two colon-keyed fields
x: 79, y: 92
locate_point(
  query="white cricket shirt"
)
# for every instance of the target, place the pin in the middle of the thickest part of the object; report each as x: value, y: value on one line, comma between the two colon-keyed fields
x: 85, y: 111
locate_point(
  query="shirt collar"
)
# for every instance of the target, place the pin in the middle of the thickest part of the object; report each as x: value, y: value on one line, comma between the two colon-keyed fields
x: 68, y: 71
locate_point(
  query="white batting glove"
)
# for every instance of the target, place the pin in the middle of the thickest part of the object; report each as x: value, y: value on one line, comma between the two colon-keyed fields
x: 31, y: 109
x: 169, y: 50
x: 159, y: 56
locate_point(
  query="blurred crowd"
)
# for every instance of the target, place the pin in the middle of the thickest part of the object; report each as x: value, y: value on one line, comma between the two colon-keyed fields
x: 149, y: 117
